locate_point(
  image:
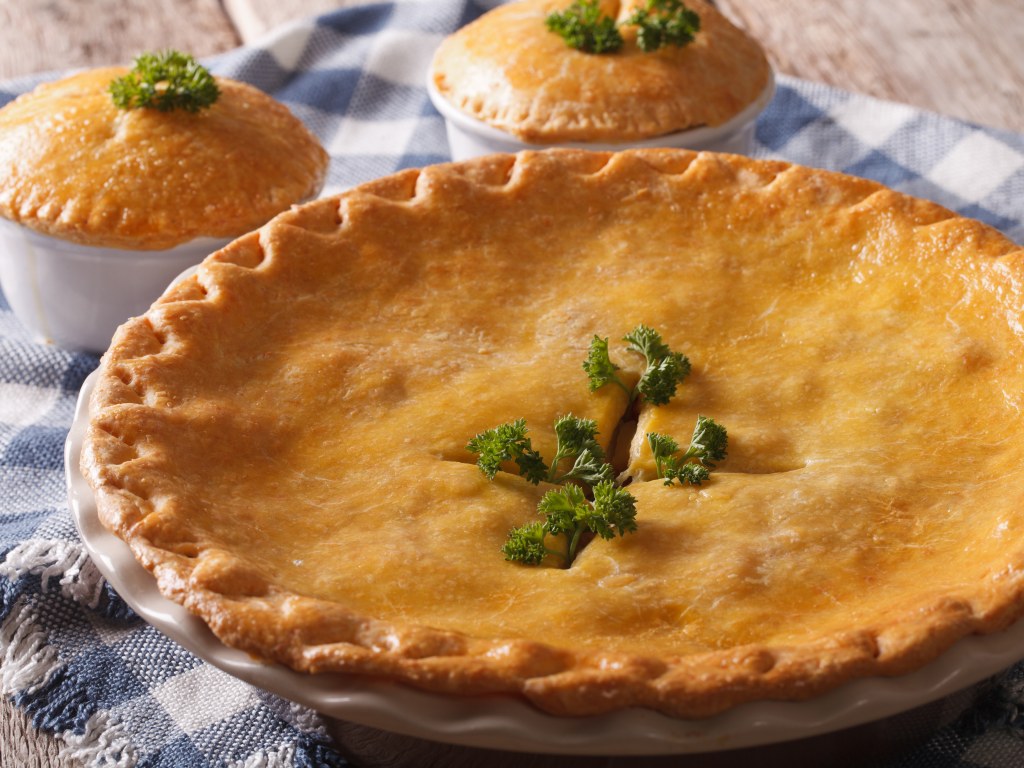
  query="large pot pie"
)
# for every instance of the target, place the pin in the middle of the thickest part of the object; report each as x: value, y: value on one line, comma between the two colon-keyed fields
x: 281, y: 438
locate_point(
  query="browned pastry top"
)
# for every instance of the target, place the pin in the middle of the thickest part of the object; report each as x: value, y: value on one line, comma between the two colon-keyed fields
x: 74, y: 166
x: 509, y: 71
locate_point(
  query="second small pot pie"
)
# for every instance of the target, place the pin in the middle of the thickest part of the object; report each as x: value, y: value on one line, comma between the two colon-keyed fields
x: 509, y: 71
x: 76, y: 167
x: 281, y: 438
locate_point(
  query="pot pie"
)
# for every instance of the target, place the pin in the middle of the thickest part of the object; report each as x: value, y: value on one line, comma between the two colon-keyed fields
x: 509, y: 71
x: 281, y: 438
x: 76, y: 167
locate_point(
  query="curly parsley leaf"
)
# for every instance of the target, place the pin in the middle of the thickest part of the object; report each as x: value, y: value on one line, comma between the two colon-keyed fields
x: 561, y: 507
x: 614, y: 511
x: 577, y: 438
x: 659, y: 23
x: 165, y: 81
x: 568, y: 512
x: 589, y: 468
x: 574, y: 436
x: 599, y: 367
x: 662, y: 447
x: 710, y: 441
x: 664, y: 22
x: 647, y: 342
x: 661, y: 378
x: 708, y: 445
x: 585, y: 28
x: 508, y: 442
x: 526, y: 544
x: 665, y: 369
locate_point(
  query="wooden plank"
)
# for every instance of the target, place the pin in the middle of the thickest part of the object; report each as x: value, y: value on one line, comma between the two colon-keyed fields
x: 957, y: 57
x: 23, y: 746
x: 43, y: 35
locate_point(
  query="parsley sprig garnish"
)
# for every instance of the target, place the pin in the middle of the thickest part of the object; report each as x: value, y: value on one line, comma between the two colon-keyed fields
x: 568, y: 512
x: 508, y: 442
x: 165, y: 81
x: 664, y: 22
x: 708, y: 444
x: 659, y: 23
x: 664, y: 372
x: 576, y: 440
x: 579, y: 461
x: 585, y: 28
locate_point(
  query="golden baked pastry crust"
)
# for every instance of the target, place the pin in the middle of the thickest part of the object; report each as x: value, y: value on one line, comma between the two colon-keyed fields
x: 509, y: 71
x: 74, y: 166
x: 280, y: 438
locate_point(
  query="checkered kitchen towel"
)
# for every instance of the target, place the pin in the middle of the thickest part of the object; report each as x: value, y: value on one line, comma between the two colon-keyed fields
x: 114, y: 691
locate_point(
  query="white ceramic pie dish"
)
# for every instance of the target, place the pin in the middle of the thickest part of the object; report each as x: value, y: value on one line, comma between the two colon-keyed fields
x: 509, y: 724
x: 75, y: 296
x: 469, y: 137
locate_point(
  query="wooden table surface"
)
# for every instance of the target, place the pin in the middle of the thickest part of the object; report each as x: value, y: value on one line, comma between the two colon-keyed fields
x: 962, y: 58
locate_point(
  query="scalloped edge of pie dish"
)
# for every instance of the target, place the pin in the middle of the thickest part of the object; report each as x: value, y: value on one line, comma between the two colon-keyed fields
x: 497, y: 722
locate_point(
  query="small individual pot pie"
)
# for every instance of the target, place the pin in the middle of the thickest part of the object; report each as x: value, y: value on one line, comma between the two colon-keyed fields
x: 101, y: 206
x: 282, y: 438
x: 508, y: 71
x: 77, y: 167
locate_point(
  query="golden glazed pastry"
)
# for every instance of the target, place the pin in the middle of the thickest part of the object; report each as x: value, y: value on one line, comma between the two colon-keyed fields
x: 280, y: 439
x: 508, y: 70
x: 74, y: 166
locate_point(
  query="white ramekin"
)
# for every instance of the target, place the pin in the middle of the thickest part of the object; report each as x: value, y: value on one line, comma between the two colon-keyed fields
x: 75, y: 296
x: 469, y: 137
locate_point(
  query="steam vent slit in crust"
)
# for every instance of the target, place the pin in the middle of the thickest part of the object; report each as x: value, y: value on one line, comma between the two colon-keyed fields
x: 281, y: 438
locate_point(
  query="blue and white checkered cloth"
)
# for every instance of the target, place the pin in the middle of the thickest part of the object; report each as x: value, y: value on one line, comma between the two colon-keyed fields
x: 114, y: 691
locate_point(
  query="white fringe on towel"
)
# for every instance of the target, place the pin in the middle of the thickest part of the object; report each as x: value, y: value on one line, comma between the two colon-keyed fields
x: 79, y: 579
x: 27, y: 661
